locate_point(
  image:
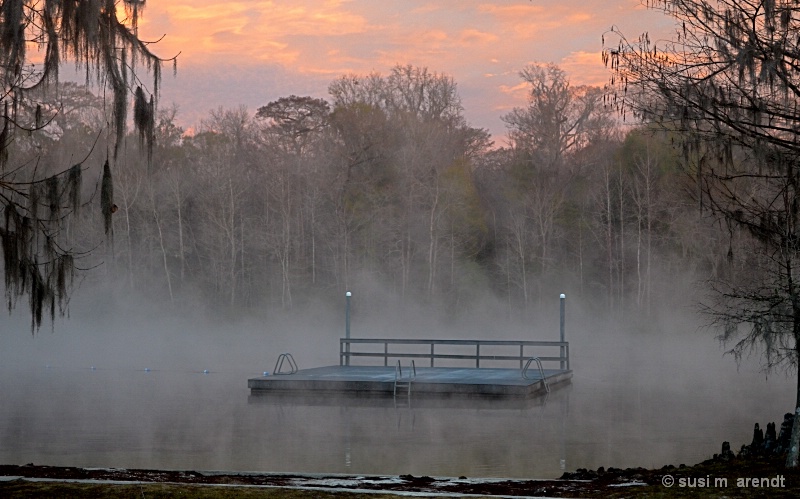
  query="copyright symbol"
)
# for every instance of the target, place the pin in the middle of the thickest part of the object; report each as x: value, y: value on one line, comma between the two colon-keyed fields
x: 667, y: 480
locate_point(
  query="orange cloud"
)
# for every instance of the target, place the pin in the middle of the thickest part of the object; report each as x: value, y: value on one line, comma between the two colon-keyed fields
x: 296, y: 46
x: 521, y: 11
x: 585, y: 68
x: 517, y: 91
x: 426, y: 9
x: 473, y: 36
x: 539, y: 21
x: 263, y: 31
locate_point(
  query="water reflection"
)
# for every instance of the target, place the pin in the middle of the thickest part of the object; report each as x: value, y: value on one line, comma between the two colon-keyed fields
x: 197, y: 421
x: 434, y: 436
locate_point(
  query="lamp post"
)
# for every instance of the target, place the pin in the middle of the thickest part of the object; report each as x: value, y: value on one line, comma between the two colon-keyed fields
x: 563, y: 312
x: 347, y: 326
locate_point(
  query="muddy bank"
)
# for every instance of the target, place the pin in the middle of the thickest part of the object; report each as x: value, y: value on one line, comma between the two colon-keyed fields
x: 687, y: 481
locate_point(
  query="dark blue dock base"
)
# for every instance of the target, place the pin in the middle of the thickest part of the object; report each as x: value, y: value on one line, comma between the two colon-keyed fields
x: 379, y: 380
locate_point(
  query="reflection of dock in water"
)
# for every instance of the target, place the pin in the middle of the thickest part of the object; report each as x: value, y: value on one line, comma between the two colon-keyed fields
x: 435, y: 435
x: 488, y: 374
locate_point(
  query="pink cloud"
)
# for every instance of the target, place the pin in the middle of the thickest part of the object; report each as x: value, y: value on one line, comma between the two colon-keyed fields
x: 313, y: 41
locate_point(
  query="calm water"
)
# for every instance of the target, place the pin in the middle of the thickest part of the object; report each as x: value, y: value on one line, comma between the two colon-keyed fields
x: 636, y: 399
x: 191, y: 420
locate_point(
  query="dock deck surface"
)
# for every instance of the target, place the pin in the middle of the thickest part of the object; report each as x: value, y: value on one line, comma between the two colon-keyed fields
x: 432, y: 380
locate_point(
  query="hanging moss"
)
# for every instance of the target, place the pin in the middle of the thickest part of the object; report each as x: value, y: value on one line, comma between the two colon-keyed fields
x: 65, y: 272
x: 107, y: 198
x: 10, y: 261
x: 74, y: 186
x: 53, y: 197
x: 36, y: 209
x: 4, y: 138
x: 23, y: 274
x: 144, y: 120
x: 33, y: 202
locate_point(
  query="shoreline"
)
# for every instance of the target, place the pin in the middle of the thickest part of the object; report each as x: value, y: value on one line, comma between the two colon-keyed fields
x: 756, y: 469
x: 711, y: 478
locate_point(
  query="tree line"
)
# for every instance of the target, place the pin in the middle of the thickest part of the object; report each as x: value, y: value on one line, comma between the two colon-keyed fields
x: 385, y: 182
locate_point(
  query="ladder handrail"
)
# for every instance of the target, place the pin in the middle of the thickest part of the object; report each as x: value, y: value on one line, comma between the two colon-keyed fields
x: 398, y: 371
x: 279, y: 364
x: 541, y: 371
x: 399, y: 380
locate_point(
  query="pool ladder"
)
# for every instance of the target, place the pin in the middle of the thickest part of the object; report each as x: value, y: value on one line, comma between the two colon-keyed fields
x: 287, y: 357
x: 541, y: 371
x: 401, y: 382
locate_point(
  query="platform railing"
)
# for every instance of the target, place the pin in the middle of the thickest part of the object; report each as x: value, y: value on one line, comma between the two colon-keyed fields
x: 521, y: 350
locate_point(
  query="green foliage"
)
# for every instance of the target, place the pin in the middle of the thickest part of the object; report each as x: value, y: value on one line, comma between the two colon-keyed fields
x: 466, y: 217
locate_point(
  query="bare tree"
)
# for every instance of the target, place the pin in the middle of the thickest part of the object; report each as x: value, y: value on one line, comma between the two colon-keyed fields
x: 223, y: 168
x: 414, y: 135
x: 292, y: 128
x: 558, y: 121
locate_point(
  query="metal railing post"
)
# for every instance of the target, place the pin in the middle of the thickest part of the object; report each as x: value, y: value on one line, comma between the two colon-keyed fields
x: 347, y: 325
x: 563, y: 318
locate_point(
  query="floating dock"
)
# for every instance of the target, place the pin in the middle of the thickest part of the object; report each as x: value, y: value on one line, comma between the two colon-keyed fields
x: 400, y: 376
x: 380, y: 380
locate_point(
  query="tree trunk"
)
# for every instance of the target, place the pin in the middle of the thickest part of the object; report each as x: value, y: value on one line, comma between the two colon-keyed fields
x: 794, y: 442
x: 609, y: 246
x: 639, y: 286
x: 163, y: 254
x: 793, y: 456
x: 648, y: 273
x: 523, y: 270
x: 181, y: 248
x: 433, y: 235
x: 129, y: 242
x: 232, y: 241
x: 621, y: 267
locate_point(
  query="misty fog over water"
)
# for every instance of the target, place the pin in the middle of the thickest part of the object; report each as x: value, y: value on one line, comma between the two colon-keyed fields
x: 642, y: 395
x: 188, y: 258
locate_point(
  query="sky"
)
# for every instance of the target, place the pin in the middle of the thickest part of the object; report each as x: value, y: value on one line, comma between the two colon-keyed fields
x: 252, y: 52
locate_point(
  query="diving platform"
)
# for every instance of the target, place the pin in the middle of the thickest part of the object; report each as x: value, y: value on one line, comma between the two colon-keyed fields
x: 483, y: 368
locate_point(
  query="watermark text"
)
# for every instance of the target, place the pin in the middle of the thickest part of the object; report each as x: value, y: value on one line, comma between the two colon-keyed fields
x: 775, y: 482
